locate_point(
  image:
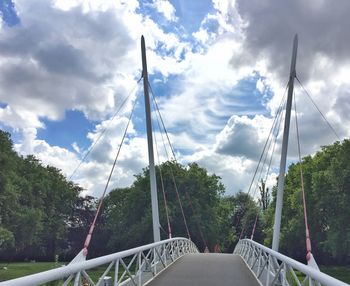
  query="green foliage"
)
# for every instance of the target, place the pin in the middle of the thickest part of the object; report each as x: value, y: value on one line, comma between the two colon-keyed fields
x: 327, y: 191
x: 42, y: 214
x: 244, y: 213
x: 6, y: 238
x: 127, y: 211
x: 36, y: 205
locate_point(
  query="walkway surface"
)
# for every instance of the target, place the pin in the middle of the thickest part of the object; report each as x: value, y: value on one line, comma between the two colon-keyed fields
x: 206, y: 269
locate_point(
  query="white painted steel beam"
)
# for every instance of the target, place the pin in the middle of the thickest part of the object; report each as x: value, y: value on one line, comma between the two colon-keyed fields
x: 280, y: 190
x: 152, y: 171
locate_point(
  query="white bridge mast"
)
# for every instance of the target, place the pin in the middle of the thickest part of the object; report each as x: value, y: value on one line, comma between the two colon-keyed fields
x: 279, y: 200
x: 152, y: 171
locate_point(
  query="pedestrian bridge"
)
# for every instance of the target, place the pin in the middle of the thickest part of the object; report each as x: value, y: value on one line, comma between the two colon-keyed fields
x: 207, y: 269
x: 177, y: 261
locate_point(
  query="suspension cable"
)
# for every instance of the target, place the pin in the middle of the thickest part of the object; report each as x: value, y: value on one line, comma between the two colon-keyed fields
x: 162, y: 186
x: 253, y: 231
x: 275, y: 130
x: 158, y: 115
x: 274, y: 145
x: 313, y: 102
x: 279, y: 110
x: 103, y: 131
x: 180, y: 203
x: 91, y: 230
x: 173, y: 153
x: 307, y: 232
x: 275, y: 127
x: 243, y: 230
x: 195, y: 213
x: 161, y: 119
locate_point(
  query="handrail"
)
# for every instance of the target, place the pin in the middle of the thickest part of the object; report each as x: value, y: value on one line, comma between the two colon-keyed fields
x: 155, y: 256
x: 268, y: 264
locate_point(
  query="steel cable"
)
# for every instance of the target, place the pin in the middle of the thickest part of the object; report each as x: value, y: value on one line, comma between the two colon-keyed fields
x: 89, y: 235
x: 103, y: 132
x: 307, y: 231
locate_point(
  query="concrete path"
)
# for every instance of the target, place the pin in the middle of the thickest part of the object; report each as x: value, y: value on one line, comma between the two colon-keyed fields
x: 206, y: 269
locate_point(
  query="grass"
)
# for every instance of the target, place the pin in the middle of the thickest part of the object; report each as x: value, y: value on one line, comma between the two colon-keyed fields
x: 18, y: 269
x: 340, y: 272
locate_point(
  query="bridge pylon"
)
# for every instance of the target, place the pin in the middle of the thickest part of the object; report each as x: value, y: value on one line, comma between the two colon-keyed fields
x: 152, y: 171
x: 281, y: 177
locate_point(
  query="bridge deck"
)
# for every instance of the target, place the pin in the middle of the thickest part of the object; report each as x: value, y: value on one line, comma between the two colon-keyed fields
x: 206, y: 269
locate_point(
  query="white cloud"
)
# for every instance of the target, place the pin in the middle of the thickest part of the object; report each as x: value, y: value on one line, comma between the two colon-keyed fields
x: 235, y: 154
x: 93, y: 173
x: 84, y: 55
x: 50, y: 155
x: 79, y: 55
x: 165, y: 8
x: 204, y: 88
x: 91, y: 66
x: 19, y: 118
x: 260, y: 86
x: 243, y: 137
x: 58, y: 68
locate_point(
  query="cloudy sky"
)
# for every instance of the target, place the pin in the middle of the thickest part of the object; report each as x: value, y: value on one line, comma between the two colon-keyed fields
x: 217, y: 68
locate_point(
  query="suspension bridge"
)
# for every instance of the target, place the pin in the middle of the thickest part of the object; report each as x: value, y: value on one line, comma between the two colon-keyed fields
x: 177, y: 261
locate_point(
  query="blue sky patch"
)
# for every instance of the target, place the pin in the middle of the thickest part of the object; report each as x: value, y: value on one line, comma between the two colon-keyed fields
x: 138, y: 118
x: 251, y: 101
x: 73, y: 128
x: 192, y: 13
x: 8, y: 13
x: 189, y: 13
x: 16, y: 135
x: 3, y: 105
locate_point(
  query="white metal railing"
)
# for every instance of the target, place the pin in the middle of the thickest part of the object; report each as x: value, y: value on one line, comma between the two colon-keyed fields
x: 273, y: 268
x: 130, y: 267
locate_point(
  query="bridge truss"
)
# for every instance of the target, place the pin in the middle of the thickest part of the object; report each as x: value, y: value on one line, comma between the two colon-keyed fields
x: 135, y: 266
x: 273, y: 268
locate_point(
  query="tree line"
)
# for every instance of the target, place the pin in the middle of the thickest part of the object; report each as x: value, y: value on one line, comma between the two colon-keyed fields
x: 327, y: 191
x: 43, y: 215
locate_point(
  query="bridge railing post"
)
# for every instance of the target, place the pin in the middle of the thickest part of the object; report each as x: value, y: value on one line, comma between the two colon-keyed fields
x: 77, y: 279
x: 116, y: 273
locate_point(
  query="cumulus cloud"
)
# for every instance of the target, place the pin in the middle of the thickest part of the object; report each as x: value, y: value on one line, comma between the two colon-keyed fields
x: 93, y: 173
x: 51, y: 66
x: 84, y: 55
x: 234, y: 171
x: 243, y: 137
x: 323, y: 54
x: 272, y: 24
x: 79, y: 55
x: 50, y: 155
x: 166, y: 8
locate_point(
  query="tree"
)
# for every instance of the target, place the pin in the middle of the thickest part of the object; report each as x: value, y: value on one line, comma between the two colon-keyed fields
x: 127, y: 211
x: 84, y: 210
x: 264, y: 195
x: 36, y: 203
x: 327, y: 191
x: 244, y: 213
